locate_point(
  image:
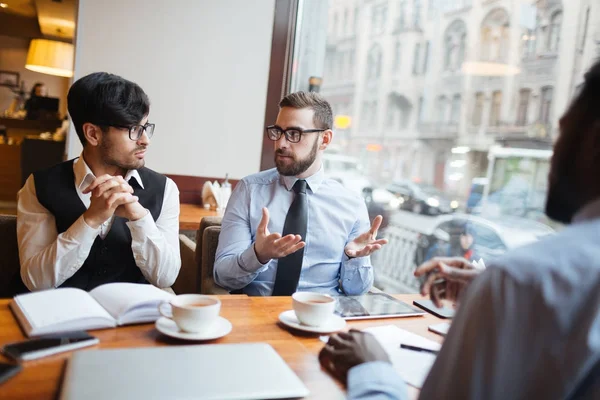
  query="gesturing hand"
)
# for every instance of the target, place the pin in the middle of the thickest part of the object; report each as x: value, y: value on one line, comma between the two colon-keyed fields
x: 348, y: 349
x: 446, y: 278
x: 107, y: 193
x: 271, y: 245
x: 367, y: 243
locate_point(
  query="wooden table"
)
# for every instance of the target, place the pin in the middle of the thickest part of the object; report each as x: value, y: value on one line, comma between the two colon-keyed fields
x: 254, y: 319
x: 190, y: 216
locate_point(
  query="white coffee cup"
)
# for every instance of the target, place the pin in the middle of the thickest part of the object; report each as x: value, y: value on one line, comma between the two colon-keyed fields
x: 194, y: 313
x: 313, y: 309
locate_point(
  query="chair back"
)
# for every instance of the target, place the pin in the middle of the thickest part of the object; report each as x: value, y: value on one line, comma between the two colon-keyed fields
x: 205, y: 281
x: 210, y: 241
x: 10, y: 267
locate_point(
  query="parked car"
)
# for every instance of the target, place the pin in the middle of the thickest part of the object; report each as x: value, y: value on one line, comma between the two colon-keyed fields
x: 422, y: 199
x: 472, y: 237
x: 346, y: 170
x: 380, y: 201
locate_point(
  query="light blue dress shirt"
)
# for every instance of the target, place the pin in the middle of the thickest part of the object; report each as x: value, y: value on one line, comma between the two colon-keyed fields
x: 335, y: 217
x: 527, y: 328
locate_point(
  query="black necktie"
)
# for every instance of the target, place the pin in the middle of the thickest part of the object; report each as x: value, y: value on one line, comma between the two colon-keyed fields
x: 289, y: 267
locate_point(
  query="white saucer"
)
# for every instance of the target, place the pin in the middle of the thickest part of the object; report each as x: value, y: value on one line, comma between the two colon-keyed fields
x: 168, y: 327
x: 336, y: 323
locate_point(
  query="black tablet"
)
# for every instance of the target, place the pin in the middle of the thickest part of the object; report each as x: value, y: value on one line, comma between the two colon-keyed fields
x: 373, y: 305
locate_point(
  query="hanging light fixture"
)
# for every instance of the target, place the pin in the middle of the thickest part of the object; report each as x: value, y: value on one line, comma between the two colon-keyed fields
x: 50, y: 57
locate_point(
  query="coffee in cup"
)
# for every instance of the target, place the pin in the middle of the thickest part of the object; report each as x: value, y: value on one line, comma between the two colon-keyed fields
x: 194, y: 313
x: 313, y: 309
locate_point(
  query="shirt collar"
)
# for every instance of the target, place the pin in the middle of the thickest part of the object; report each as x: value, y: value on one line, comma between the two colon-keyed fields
x: 84, y: 175
x: 314, y: 181
x: 588, y: 212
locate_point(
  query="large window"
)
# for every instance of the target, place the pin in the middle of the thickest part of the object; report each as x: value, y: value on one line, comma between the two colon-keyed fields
x: 455, y: 110
x: 495, y: 36
x: 440, y: 108
x: 455, y: 42
x: 455, y: 101
x: 426, y: 57
x: 374, y: 62
x: 524, y: 96
x: 397, y: 56
x: 416, y: 59
x: 496, y: 109
x: 378, y: 19
x: 401, y: 18
x: 417, y: 14
x: 478, y: 109
x: 554, y: 35
x: 546, y: 105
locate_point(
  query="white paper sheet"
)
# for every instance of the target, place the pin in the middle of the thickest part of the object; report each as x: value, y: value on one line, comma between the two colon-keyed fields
x: 412, y: 366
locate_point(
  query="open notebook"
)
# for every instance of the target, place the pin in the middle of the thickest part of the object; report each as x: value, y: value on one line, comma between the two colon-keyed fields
x: 69, y: 309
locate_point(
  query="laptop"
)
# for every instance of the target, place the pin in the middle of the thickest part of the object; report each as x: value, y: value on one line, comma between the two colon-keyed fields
x: 219, y: 371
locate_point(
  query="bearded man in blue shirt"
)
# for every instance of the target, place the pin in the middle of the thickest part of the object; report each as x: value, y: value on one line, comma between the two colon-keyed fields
x: 291, y: 228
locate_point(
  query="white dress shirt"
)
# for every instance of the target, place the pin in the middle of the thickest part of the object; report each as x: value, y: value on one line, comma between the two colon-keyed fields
x: 49, y: 259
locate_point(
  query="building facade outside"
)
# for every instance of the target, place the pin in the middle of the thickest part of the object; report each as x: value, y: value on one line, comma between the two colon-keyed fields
x: 422, y: 89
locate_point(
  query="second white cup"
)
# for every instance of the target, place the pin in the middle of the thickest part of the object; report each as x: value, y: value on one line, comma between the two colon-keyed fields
x: 194, y: 313
x: 313, y: 309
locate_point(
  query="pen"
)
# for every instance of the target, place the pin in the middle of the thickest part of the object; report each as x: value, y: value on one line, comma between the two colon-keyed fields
x: 416, y: 348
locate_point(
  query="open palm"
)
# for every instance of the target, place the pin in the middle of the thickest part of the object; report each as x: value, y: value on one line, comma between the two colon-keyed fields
x: 366, y: 243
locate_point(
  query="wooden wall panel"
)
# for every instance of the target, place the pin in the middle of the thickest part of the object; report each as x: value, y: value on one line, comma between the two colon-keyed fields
x: 10, y: 172
x: 190, y: 187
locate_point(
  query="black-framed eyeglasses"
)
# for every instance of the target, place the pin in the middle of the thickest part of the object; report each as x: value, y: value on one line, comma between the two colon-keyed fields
x: 292, y: 135
x: 136, y: 131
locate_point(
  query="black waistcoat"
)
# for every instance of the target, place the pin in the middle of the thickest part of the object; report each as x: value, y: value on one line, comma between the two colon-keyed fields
x: 110, y: 259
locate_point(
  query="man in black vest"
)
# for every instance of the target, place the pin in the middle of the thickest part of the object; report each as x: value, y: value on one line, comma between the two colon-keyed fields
x: 102, y: 217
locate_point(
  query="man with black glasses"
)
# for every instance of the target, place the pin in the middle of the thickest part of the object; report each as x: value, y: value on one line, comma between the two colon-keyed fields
x: 102, y: 217
x: 325, y: 238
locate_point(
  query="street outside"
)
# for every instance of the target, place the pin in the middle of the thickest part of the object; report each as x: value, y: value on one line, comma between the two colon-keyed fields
x: 414, y: 239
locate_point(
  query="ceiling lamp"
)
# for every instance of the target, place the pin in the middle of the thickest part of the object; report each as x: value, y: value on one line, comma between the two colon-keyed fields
x: 50, y: 57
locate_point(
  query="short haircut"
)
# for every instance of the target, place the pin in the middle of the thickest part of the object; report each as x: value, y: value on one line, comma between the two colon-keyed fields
x: 106, y: 100
x: 323, y: 116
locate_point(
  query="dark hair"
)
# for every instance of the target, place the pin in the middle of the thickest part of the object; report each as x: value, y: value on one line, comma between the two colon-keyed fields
x: 581, y: 122
x: 106, y: 100
x: 575, y: 163
x: 35, y: 86
x: 323, y: 117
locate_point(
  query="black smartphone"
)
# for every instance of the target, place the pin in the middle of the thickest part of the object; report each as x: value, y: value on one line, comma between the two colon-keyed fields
x: 7, y: 371
x: 427, y: 305
x: 43, y: 346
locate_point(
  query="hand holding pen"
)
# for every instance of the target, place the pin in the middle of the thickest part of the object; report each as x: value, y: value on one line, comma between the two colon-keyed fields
x: 446, y: 278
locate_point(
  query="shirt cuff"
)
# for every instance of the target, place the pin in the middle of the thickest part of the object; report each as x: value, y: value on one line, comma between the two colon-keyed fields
x: 355, y: 262
x: 248, y: 261
x: 143, y: 226
x: 82, y: 232
x: 378, y: 377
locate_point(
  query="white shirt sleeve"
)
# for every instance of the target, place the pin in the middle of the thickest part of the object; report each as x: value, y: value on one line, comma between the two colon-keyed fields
x: 155, y: 245
x: 48, y: 259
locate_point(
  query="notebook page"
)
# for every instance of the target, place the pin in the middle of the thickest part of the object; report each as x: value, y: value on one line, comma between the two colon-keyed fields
x: 56, y: 307
x: 120, y: 298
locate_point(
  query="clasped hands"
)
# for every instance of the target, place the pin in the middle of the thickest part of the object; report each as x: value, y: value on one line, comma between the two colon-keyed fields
x: 268, y: 246
x: 111, y: 195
